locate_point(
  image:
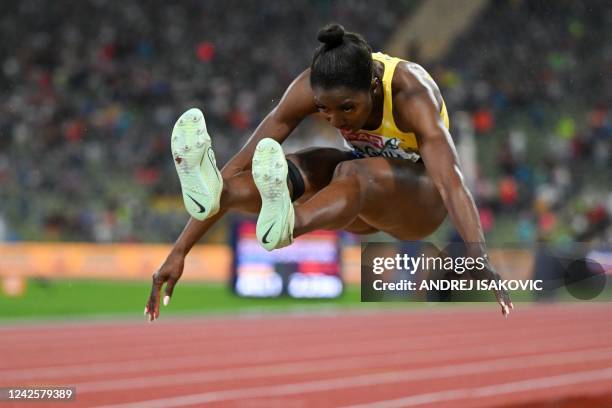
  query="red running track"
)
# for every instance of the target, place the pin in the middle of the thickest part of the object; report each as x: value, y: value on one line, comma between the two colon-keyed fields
x: 550, y: 356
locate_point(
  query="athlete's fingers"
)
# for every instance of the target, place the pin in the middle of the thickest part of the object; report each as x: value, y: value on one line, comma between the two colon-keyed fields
x: 169, y: 289
x: 150, y: 309
x: 156, y: 314
x: 508, y: 301
x: 154, y: 308
x: 504, y: 302
x: 153, y: 304
x: 503, y: 307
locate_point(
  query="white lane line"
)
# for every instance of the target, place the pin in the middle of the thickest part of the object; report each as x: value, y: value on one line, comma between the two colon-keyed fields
x: 101, y: 350
x: 261, y: 356
x: 239, y: 341
x: 209, y: 359
x: 90, y: 337
x: 135, y: 349
x: 531, y: 384
x: 69, y: 328
x: 399, y: 376
x: 319, y: 366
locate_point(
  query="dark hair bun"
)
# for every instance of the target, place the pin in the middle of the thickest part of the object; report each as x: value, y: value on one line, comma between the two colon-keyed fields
x: 331, y: 35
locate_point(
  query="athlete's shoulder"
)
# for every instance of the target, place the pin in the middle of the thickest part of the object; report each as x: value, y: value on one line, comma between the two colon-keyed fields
x: 410, y: 78
x: 412, y: 82
x: 414, y: 93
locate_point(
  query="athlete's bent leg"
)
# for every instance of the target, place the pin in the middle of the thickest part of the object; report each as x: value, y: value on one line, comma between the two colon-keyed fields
x: 336, y: 206
x: 391, y: 195
x: 315, y: 168
x: 275, y: 224
x: 239, y: 191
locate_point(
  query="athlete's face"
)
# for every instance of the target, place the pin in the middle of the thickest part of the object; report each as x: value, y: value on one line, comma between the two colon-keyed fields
x: 344, y: 108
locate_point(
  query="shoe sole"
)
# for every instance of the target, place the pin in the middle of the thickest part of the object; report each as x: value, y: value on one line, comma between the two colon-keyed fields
x: 194, y: 159
x: 270, y: 175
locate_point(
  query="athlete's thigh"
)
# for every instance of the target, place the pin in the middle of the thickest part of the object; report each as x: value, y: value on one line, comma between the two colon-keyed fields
x: 317, y: 165
x: 399, y: 197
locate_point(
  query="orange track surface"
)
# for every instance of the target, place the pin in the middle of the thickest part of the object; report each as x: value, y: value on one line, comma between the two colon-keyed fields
x: 542, y: 356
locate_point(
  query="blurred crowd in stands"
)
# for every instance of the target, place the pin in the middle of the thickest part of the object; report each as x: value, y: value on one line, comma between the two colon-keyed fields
x: 87, y: 106
x: 535, y: 77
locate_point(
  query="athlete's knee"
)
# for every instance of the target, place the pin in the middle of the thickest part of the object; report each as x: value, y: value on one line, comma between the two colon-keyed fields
x: 294, y: 158
x: 347, y: 170
x: 348, y: 188
x: 317, y: 166
x: 349, y: 175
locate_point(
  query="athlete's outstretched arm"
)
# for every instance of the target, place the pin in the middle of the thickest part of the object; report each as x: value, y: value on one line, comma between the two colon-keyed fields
x: 440, y: 157
x: 294, y: 106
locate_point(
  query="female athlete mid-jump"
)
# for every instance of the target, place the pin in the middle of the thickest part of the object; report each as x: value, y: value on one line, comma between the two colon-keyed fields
x: 400, y: 173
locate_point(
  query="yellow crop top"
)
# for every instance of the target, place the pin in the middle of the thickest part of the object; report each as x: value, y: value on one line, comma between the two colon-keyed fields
x: 388, y: 140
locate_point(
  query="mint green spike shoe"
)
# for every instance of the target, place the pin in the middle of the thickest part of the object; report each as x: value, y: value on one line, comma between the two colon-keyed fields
x: 195, y: 163
x: 276, y: 218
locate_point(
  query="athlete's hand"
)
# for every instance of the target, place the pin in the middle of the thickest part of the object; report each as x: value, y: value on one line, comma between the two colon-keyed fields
x: 502, y: 295
x: 169, y: 273
x: 488, y: 274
